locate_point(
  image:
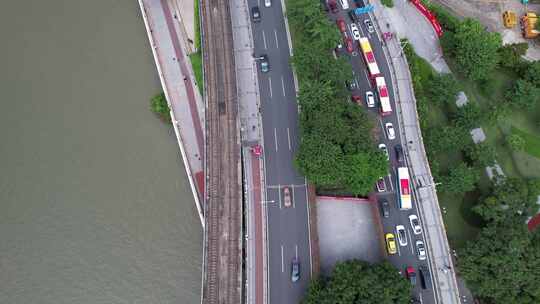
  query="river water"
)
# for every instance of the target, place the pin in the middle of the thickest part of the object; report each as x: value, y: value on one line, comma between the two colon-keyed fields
x: 95, y: 206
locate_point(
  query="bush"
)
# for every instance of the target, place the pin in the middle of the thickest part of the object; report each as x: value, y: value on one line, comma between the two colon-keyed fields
x: 158, y: 105
x: 510, y: 55
x: 388, y: 3
x: 515, y: 142
x: 448, y: 21
x: 443, y: 89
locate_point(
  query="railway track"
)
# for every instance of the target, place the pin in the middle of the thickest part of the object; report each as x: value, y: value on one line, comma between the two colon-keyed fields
x: 223, y: 207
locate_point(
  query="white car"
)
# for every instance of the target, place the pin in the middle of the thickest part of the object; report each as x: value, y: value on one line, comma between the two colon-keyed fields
x: 370, y: 99
x: 421, y: 250
x: 344, y: 4
x: 267, y: 3
x: 369, y: 26
x: 390, y: 130
x: 415, y: 224
x: 355, y: 32
x: 384, y: 150
x: 401, y: 235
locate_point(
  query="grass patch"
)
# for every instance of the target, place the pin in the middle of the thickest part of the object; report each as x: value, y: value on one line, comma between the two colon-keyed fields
x: 532, y: 142
x: 197, y: 26
x: 196, y: 63
x: 388, y: 3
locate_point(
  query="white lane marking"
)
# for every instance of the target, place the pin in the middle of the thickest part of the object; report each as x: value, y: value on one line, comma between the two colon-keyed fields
x: 410, y: 238
x: 277, y: 44
x: 296, y: 251
x: 264, y: 40
x: 382, y: 127
x: 390, y: 182
x: 259, y: 3
x: 270, y: 85
x: 279, y: 196
x: 367, y: 78
x: 289, y: 138
x: 275, y: 137
x: 282, y: 264
x: 421, y: 300
x: 283, y: 85
x: 309, y: 231
x: 356, y: 81
x: 293, y: 200
x: 398, y: 245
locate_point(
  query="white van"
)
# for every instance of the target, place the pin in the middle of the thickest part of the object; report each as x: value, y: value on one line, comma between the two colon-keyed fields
x: 267, y: 3
x: 344, y: 4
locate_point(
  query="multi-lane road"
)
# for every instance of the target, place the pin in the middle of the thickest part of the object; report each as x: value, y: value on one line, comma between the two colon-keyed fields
x: 288, y: 231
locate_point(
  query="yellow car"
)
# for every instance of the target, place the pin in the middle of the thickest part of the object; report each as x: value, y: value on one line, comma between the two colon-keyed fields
x: 391, y: 243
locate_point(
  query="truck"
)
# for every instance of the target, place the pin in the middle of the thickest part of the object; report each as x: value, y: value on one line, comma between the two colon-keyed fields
x: 528, y: 25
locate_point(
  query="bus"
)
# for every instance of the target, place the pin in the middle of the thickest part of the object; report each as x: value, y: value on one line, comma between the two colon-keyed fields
x: 404, y: 189
x: 369, y: 57
x: 384, y: 98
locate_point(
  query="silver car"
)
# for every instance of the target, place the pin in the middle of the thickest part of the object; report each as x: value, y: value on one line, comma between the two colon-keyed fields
x: 415, y: 224
x: 421, y: 250
x: 402, y: 236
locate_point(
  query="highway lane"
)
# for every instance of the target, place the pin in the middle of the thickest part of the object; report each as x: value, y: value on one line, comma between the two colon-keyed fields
x: 407, y: 255
x: 288, y: 231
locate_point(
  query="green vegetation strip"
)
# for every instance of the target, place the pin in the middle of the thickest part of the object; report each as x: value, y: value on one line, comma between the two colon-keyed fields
x: 337, y: 150
x: 196, y: 58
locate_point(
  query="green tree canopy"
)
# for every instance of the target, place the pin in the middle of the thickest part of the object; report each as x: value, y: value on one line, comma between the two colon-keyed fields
x: 460, y: 179
x: 158, y: 105
x: 482, y: 154
x: 515, y: 142
x: 360, y: 282
x: 502, y: 265
x: 476, y: 50
x: 469, y: 116
x: 443, y: 89
x: 524, y: 95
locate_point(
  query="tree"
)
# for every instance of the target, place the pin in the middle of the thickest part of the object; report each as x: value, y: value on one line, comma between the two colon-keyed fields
x: 498, y: 265
x: 510, y: 55
x: 447, y: 138
x: 360, y: 282
x: 469, y: 116
x: 525, y: 94
x: 476, y: 49
x: 482, y: 154
x: 443, y: 88
x: 532, y: 73
x: 515, y: 142
x: 460, y: 179
x: 158, y: 105
x: 362, y: 171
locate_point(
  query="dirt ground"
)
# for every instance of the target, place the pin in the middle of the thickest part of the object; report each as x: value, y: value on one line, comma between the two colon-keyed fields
x: 489, y: 13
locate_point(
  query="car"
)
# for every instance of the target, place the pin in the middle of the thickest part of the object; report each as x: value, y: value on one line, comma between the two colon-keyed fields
x: 354, y: 17
x: 370, y: 99
x: 425, y: 277
x: 267, y: 3
x: 359, y: 3
x: 381, y: 185
x: 411, y: 274
x: 391, y: 243
x: 332, y: 4
x: 344, y: 4
x: 384, y: 150
x: 390, y: 130
x: 356, y: 99
x: 421, y: 250
x: 369, y: 26
x: 385, y: 208
x: 265, y: 65
x: 342, y: 26
x: 355, y: 31
x: 295, y: 270
x: 415, y: 224
x: 350, y: 84
x: 399, y: 153
x: 255, y: 14
x: 401, y: 235
x: 348, y: 44
x: 287, y: 201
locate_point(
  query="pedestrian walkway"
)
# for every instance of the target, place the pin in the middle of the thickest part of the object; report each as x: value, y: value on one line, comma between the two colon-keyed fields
x: 441, y: 263
x: 178, y: 82
x: 251, y: 135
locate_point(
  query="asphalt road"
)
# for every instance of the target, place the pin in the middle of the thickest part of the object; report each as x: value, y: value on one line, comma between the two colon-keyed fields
x: 288, y: 231
x: 407, y: 255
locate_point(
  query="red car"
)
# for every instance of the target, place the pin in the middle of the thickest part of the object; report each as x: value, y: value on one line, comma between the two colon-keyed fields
x: 356, y: 99
x: 411, y: 274
x: 342, y: 26
x: 348, y: 44
x: 256, y: 150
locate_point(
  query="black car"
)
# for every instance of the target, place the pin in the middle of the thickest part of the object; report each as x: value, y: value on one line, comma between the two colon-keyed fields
x: 351, y: 85
x: 295, y: 270
x: 385, y: 208
x: 256, y: 14
x: 359, y: 3
x: 425, y: 277
x: 399, y: 152
x: 354, y: 17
